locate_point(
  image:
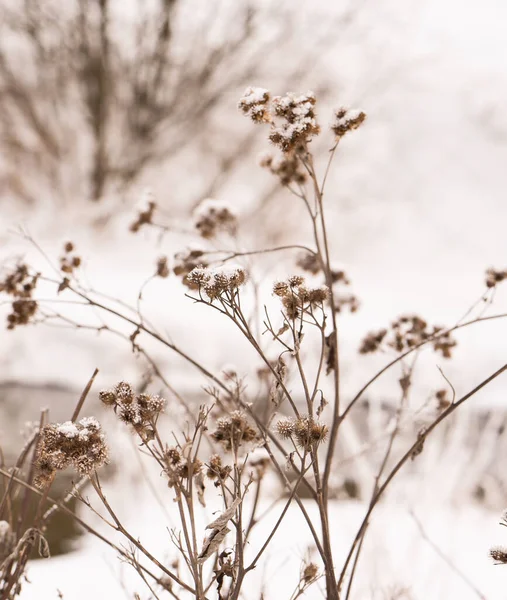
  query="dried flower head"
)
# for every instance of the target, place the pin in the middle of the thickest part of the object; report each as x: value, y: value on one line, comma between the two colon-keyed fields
x: 499, y: 555
x: 189, y: 468
x: 187, y: 261
x: 286, y: 167
x: 213, y: 216
x: 309, y: 261
x: 145, y: 214
x: 78, y: 444
x: 216, y: 470
x: 173, y: 456
x: 407, y: 332
x: 299, y: 123
x: 139, y: 410
x: 443, y: 401
x: 162, y: 267
x: 346, y: 120
x: 22, y: 311
x: 349, y: 301
x: 309, y: 433
x: 281, y: 288
x: 19, y: 283
x: 494, y: 276
x: 318, y: 295
x: 372, y: 342
x: 297, y: 298
x: 254, y: 104
x: 220, y: 281
x: 69, y: 261
x: 310, y: 573
x: 234, y: 430
x: 285, y: 427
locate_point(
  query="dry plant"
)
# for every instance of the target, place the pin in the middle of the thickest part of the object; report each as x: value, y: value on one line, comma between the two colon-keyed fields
x: 226, y: 447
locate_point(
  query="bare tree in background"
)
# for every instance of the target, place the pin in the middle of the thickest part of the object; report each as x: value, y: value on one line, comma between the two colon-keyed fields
x: 94, y: 92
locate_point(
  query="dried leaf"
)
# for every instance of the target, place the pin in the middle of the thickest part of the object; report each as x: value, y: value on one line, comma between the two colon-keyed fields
x: 322, y: 406
x: 199, y: 481
x: 282, y: 330
x: 43, y: 547
x: 330, y: 353
x: 212, y: 543
x: 225, y: 517
x: 421, y: 436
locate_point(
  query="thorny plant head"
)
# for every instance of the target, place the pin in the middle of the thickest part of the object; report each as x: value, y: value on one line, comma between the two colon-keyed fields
x: 226, y: 448
x: 408, y: 332
x: 80, y: 445
x: 141, y: 411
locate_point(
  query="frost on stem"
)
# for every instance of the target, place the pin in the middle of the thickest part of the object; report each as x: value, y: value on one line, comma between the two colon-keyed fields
x: 407, y: 332
x: 79, y: 444
x: 213, y: 216
x: 139, y: 410
x: 219, y: 281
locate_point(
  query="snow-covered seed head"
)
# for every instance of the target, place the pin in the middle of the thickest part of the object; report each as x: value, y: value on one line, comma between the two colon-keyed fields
x: 162, y: 267
x: 139, y: 410
x: 494, y: 276
x: 254, y: 104
x: 280, y: 288
x: 286, y: 167
x: 80, y: 444
x: 499, y: 554
x: 173, y: 456
x: 214, y: 216
x: 299, y: 122
x: 347, y: 120
x: 218, y: 281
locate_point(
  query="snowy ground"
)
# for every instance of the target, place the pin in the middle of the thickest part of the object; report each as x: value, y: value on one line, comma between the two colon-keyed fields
x: 396, y: 557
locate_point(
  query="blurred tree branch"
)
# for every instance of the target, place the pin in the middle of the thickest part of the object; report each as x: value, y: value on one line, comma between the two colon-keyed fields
x: 92, y: 94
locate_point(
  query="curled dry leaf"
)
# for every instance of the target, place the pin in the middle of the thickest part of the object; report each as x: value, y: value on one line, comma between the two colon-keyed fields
x: 212, y: 543
x: 225, y: 517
